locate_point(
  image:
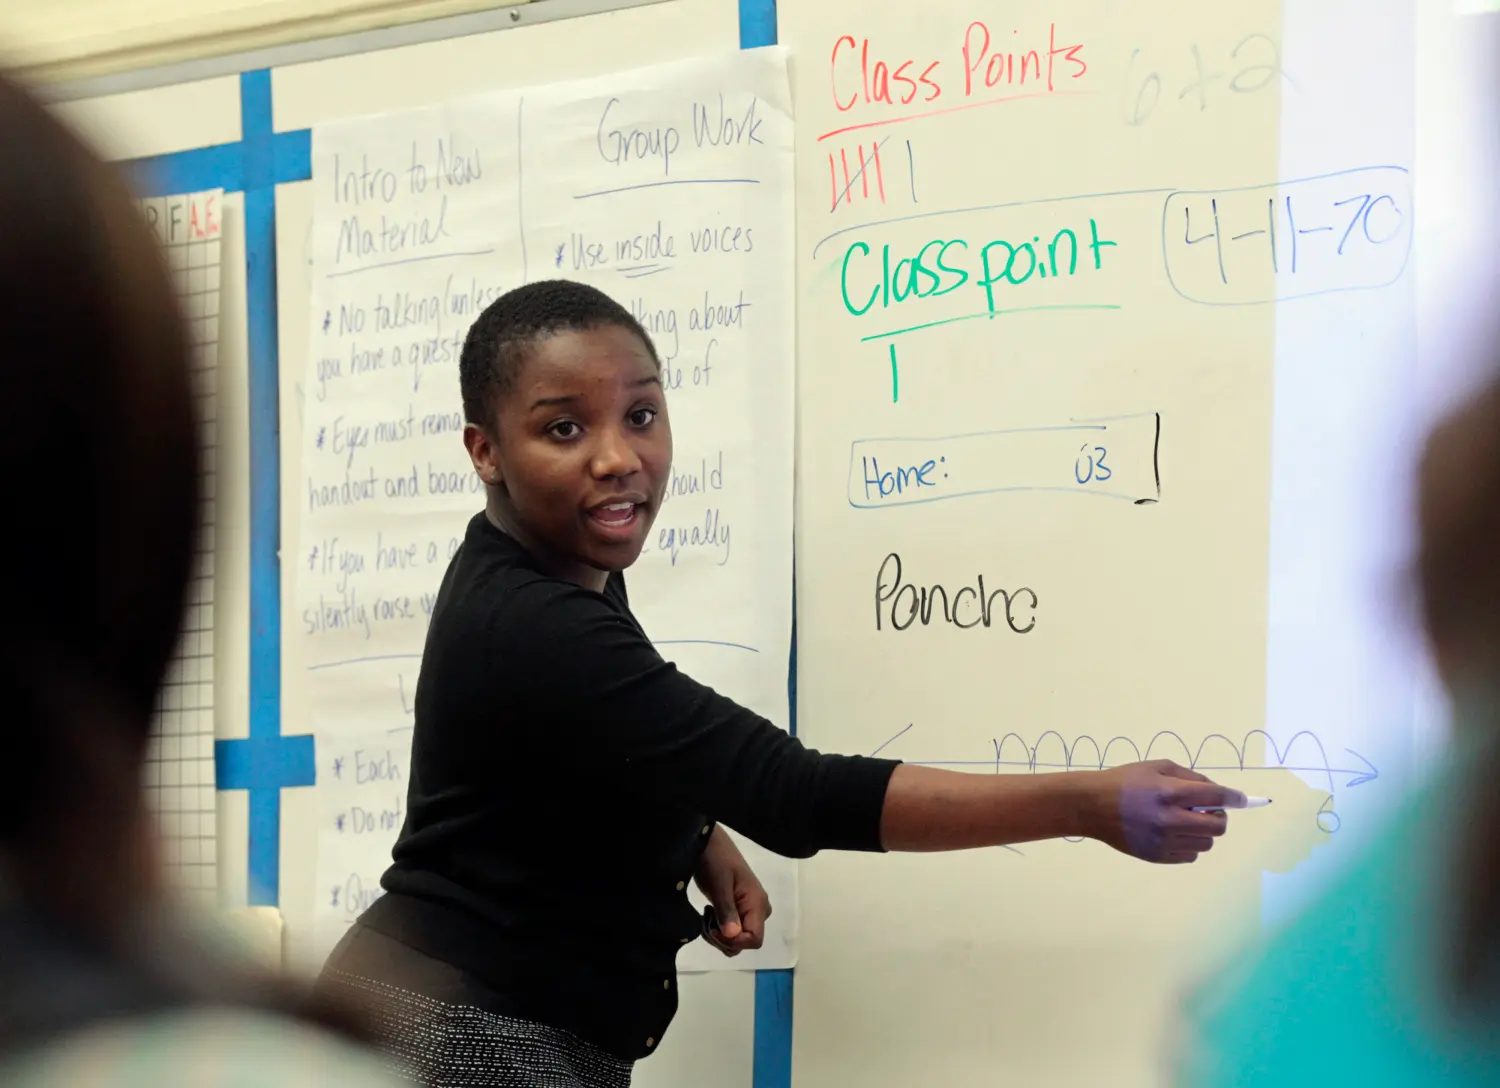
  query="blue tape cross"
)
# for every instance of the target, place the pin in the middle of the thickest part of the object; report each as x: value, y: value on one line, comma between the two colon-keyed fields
x: 267, y: 761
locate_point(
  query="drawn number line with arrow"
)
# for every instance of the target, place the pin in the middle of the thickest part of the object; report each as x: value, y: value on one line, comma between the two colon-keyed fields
x: 1086, y: 753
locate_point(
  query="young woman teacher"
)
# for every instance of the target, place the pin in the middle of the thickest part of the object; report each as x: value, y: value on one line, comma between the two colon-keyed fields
x: 567, y: 783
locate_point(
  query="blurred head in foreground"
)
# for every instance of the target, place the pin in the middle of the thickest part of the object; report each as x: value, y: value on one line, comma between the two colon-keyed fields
x: 99, y: 485
x: 99, y: 465
x: 1391, y: 975
x: 1459, y: 573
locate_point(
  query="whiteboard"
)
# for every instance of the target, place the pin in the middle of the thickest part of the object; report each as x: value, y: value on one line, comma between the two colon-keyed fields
x: 1080, y: 291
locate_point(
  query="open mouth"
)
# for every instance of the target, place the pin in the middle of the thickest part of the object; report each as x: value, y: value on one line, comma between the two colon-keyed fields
x: 617, y: 520
x: 615, y: 514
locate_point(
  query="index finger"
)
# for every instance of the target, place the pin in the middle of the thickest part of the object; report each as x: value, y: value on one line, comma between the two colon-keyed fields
x: 1176, y: 770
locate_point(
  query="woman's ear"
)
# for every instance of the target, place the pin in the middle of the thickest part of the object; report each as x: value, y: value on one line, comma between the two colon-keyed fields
x: 484, y: 452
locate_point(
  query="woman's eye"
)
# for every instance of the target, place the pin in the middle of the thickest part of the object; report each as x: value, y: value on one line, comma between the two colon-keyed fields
x: 642, y: 417
x: 563, y: 428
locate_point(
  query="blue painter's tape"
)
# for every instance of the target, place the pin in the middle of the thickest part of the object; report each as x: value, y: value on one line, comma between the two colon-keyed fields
x: 292, y: 155
x: 257, y: 148
x: 773, y: 1030
x: 265, y: 454
x: 757, y: 23
x: 265, y: 763
x: 217, y: 167
x: 265, y: 848
x: 255, y: 105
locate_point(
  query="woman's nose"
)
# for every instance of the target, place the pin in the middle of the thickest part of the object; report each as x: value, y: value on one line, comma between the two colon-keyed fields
x: 614, y: 456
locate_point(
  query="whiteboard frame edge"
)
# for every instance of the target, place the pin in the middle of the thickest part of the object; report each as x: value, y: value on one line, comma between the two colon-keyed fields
x: 509, y: 17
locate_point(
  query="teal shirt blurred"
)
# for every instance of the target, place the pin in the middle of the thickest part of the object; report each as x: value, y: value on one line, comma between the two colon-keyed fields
x: 1355, y: 991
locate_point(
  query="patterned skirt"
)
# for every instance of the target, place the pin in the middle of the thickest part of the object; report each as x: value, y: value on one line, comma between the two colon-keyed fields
x: 456, y: 1043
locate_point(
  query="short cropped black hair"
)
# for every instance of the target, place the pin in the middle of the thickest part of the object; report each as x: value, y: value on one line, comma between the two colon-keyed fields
x: 497, y: 344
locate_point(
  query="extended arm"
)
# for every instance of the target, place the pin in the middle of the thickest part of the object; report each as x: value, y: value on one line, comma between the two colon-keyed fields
x: 595, y: 689
x: 1142, y: 809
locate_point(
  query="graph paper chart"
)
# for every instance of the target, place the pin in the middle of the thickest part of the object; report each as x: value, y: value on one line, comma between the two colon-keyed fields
x: 179, y: 773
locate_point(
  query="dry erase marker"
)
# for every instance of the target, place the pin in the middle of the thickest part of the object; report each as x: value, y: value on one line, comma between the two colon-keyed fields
x: 1250, y: 802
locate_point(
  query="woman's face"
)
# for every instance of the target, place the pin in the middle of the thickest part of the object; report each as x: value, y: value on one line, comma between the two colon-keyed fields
x: 580, y: 453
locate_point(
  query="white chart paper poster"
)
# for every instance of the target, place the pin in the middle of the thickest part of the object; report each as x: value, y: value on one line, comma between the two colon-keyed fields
x: 670, y: 188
